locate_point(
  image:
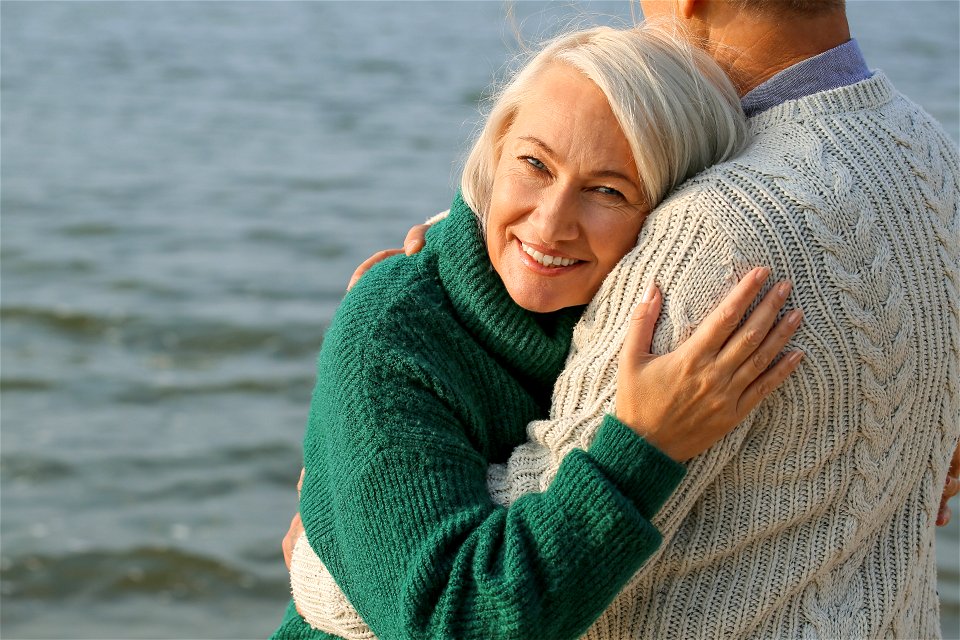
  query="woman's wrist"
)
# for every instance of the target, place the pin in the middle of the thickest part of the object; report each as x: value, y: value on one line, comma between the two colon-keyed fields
x: 639, y: 469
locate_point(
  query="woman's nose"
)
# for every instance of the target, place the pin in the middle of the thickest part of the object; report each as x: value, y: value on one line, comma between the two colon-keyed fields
x: 556, y: 217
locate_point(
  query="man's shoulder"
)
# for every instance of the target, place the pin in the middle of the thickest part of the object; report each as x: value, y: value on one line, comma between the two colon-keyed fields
x: 803, y: 151
x: 746, y: 182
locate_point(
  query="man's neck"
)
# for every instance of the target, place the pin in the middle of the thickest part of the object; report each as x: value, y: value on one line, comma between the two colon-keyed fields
x: 753, y: 51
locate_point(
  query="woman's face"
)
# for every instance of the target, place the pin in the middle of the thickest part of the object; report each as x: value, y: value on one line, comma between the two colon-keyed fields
x: 567, y: 202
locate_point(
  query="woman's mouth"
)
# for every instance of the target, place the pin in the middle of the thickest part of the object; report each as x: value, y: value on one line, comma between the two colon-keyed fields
x: 547, y: 260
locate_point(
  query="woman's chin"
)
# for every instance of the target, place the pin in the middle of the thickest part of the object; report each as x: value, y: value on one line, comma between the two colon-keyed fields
x: 543, y: 301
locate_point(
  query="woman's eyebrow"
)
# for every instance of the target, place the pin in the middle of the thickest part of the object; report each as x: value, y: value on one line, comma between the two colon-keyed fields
x: 610, y: 173
x: 606, y: 173
x: 540, y: 143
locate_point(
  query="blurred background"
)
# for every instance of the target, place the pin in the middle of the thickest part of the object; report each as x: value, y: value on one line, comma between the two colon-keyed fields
x: 186, y: 188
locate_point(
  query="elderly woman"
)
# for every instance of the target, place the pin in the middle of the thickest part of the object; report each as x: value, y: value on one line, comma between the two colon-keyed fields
x: 435, y: 363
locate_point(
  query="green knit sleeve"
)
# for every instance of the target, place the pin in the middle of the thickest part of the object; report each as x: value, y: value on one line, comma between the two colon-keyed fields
x: 641, y: 471
x: 396, y: 504
x: 426, y: 553
x: 293, y: 627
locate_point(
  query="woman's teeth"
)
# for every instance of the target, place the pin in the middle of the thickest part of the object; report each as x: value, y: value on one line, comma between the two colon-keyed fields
x: 545, y: 260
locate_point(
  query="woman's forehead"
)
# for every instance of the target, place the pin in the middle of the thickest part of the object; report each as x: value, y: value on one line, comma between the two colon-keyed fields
x: 565, y: 113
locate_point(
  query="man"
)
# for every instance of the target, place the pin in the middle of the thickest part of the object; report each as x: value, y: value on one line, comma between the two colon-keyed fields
x: 815, y: 517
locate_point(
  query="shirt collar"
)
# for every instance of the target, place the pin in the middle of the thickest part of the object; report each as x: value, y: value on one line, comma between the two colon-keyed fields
x: 837, y: 67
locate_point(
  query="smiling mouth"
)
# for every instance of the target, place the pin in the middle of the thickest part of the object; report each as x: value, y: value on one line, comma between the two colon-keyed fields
x: 547, y: 260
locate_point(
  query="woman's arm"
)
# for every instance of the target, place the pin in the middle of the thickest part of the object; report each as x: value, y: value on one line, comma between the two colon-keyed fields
x: 416, y: 239
x: 423, y: 552
x: 396, y: 503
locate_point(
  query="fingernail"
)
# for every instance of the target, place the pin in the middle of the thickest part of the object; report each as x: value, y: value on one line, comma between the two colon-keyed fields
x: 783, y: 290
x: 795, y: 357
x: 794, y: 317
x: 648, y: 293
x: 763, y: 274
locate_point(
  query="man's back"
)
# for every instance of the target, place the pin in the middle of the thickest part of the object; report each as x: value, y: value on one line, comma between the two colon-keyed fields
x: 816, y: 517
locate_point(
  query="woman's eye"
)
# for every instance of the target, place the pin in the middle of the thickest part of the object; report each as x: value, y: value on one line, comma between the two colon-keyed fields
x: 609, y: 191
x: 534, y: 162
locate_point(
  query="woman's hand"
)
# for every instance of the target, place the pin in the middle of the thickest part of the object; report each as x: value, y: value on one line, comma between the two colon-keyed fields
x: 685, y: 401
x: 950, y: 488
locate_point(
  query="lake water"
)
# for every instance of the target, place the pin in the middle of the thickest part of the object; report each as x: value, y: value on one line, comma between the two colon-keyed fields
x: 186, y: 187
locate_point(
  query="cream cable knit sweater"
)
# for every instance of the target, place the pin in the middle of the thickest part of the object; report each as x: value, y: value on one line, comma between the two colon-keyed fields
x: 814, y: 518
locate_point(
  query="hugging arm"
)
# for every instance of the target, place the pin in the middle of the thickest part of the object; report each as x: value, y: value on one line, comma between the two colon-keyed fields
x: 420, y: 548
x: 950, y: 489
x: 621, y: 458
x: 395, y: 498
x: 415, y: 240
x: 695, y: 261
x: 684, y: 296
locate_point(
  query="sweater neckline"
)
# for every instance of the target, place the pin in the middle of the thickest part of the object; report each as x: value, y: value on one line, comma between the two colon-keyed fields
x: 533, y: 345
x: 871, y: 93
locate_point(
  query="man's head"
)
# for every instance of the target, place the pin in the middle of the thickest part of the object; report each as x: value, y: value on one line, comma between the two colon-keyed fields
x: 783, y: 8
x: 753, y: 40
x: 786, y: 7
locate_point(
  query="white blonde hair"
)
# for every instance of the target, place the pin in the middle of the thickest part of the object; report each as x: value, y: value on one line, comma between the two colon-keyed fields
x: 678, y: 110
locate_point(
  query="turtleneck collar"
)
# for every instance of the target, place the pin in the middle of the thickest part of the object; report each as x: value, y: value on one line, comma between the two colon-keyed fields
x: 535, y: 345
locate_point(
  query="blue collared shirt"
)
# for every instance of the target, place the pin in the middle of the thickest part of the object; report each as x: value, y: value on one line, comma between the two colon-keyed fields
x: 831, y: 69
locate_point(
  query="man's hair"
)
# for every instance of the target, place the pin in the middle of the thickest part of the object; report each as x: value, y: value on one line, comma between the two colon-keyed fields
x: 795, y: 7
x: 678, y: 111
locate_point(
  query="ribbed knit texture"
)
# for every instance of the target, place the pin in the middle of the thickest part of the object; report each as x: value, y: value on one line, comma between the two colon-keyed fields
x: 428, y: 374
x: 814, y: 519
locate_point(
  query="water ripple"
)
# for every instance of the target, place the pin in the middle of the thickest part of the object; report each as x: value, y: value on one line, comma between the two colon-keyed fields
x: 99, y: 574
x: 187, y: 337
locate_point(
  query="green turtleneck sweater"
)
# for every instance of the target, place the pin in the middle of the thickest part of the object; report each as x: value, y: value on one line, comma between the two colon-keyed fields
x: 428, y: 374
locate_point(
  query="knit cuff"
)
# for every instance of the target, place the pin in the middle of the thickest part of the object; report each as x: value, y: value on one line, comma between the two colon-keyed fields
x: 644, y: 474
x: 293, y: 627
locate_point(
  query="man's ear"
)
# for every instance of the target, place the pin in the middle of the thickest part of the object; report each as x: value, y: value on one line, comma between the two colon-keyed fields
x: 685, y: 8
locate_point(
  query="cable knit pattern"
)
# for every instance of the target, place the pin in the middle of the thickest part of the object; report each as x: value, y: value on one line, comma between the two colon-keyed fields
x: 813, y: 519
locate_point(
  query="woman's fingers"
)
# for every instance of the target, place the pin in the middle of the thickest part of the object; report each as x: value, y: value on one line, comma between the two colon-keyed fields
x: 683, y: 402
x: 771, y: 347
x: 747, y: 339
x: 643, y: 322
x: 633, y: 391
x: 745, y: 352
x: 773, y: 342
x: 717, y: 328
x: 950, y: 488
x: 943, y: 516
x: 766, y: 383
x: 755, y: 345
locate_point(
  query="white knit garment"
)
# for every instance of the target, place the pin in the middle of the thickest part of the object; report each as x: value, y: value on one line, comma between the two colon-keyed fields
x: 813, y: 519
